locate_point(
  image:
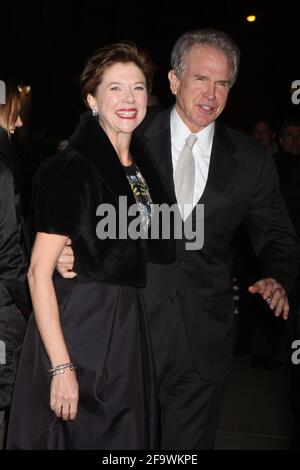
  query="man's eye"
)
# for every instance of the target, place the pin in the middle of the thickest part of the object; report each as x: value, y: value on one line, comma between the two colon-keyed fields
x: 115, y: 88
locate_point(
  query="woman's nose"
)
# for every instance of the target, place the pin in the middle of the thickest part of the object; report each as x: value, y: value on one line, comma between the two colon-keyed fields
x: 129, y: 96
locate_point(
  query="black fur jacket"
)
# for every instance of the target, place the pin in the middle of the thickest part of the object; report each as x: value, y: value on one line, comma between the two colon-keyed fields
x: 74, y: 183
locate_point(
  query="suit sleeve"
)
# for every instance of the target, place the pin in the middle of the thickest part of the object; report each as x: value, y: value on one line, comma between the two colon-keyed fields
x: 270, y: 229
x: 13, y: 262
x: 61, y: 197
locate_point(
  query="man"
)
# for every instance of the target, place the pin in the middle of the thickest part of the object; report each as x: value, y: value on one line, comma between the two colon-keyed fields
x: 287, y: 160
x: 289, y: 137
x: 262, y: 132
x: 190, y: 303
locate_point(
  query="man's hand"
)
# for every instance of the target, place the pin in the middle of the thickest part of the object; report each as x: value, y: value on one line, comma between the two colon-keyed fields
x: 66, y: 261
x: 273, y: 293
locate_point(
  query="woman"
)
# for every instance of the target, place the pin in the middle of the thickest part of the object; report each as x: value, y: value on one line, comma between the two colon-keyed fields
x: 14, y: 298
x: 91, y: 332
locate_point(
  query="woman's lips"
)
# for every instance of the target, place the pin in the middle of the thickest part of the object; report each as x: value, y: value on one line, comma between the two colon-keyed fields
x: 127, y: 113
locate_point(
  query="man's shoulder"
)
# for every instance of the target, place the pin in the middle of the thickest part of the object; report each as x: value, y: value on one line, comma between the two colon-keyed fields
x: 242, y: 143
x: 240, y: 137
x: 154, y: 121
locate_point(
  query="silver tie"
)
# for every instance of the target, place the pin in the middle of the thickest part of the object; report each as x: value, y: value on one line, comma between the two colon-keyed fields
x: 184, y: 178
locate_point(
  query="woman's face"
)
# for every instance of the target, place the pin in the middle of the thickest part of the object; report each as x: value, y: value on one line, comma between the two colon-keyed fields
x: 121, y: 99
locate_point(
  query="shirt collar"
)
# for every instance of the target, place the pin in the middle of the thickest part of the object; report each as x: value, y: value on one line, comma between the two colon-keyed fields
x: 179, y: 133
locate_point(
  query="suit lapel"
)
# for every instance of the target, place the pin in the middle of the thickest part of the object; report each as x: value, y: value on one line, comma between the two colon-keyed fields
x: 222, y: 164
x: 157, y: 138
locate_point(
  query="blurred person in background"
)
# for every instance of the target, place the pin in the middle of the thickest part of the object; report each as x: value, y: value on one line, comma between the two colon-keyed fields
x: 262, y: 131
x: 14, y: 297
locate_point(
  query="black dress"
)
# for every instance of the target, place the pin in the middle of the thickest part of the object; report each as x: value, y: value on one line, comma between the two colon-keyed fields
x: 105, y: 328
x: 106, y: 331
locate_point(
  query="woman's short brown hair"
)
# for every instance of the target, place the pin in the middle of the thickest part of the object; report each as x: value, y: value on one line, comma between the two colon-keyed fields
x: 10, y: 111
x: 107, y: 56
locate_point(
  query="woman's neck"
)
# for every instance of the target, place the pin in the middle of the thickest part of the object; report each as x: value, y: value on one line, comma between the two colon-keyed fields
x: 122, y: 147
x: 121, y: 143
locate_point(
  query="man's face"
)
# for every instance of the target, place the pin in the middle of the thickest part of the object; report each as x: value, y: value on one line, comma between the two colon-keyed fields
x: 290, y: 140
x: 202, y: 91
x: 263, y: 133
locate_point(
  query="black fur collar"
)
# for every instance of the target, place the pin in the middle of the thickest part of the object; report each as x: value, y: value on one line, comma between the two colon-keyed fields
x: 90, y: 140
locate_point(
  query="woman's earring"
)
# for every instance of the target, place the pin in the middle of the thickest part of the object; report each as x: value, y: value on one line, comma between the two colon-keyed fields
x: 94, y: 112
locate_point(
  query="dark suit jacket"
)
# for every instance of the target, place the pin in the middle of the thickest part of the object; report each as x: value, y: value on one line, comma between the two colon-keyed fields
x: 241, y: 186
x: 70, y: 188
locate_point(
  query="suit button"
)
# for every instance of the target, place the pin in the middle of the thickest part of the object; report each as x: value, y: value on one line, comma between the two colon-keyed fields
x: 170, y: 299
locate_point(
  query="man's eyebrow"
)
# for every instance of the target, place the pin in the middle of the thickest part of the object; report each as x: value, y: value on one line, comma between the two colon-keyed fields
x: 199, y: 75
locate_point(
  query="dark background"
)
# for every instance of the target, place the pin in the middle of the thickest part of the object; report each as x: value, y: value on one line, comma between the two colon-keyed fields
x: 45, y: 44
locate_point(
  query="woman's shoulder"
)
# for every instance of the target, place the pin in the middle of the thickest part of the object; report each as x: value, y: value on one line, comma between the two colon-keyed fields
x: 61, y: 193
x: 67, y: 165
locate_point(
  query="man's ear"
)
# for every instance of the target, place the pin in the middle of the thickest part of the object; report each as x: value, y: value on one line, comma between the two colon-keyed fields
x: 92, y: 102
x: 173, y: 81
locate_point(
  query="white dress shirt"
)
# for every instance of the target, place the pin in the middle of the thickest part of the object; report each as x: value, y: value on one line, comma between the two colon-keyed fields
x: 201, y: 150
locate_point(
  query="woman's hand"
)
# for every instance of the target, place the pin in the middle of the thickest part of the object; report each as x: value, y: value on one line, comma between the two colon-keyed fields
x: 64, y: 395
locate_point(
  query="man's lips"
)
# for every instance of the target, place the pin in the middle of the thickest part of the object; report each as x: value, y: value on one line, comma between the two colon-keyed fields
x: 207, y: 108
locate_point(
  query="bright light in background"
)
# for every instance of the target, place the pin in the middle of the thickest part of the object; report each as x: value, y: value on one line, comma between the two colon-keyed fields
x: 251, y: 18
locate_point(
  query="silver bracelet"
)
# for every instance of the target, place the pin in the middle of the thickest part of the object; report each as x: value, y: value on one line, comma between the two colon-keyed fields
x: 60, y: 369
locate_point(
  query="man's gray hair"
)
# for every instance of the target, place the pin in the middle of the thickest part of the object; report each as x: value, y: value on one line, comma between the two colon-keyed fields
x: 207, y: 37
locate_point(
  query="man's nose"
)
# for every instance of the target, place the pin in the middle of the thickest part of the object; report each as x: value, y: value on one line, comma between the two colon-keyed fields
x: 210, y: 91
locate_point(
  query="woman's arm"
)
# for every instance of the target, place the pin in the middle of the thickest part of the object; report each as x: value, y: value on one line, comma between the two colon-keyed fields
x: 64, y: 387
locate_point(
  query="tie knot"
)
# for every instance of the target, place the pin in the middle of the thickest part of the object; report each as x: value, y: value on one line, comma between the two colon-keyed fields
x: 190, y: 140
